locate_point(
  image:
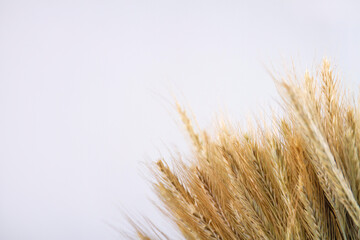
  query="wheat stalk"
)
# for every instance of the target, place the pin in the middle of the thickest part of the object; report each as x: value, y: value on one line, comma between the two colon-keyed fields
x: 298, y: 179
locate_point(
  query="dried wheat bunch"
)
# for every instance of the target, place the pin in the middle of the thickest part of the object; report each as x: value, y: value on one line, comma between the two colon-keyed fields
x: 298, y: 179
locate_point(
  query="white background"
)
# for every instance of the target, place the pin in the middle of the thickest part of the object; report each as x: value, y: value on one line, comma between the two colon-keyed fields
x: 86, y: 92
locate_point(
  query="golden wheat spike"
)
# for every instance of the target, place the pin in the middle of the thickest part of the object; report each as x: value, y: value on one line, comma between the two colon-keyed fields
x: 297, y: 179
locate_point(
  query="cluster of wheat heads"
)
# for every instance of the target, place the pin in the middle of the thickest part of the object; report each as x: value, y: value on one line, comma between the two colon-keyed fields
x: 298, y: 179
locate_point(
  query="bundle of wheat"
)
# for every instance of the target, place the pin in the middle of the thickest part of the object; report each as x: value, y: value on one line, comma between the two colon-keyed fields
x: 299, y: 179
